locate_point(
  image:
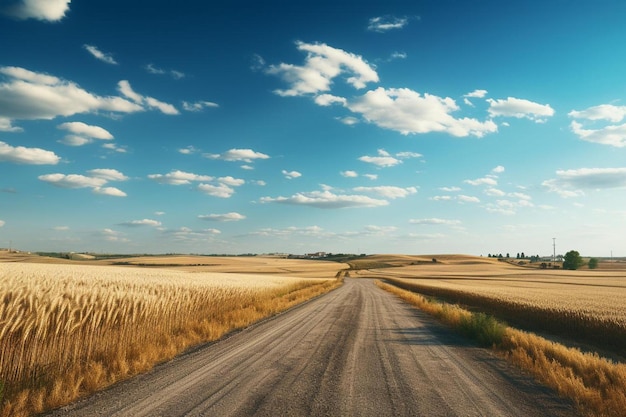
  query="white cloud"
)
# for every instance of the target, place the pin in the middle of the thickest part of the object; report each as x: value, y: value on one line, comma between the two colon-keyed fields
x: 476, y: 94
x: 110, y: 191
x: 198, y: 105
x: 142, y: 222
x: 607, y: 112
x: 245, y: 155
x: 226, y: 217
x: 494, y: 192
x: 49, y: 10
x: 371, y: 176
x: 441, y: 198
x: 23, y: 155
x: 384, y: 159
x: 467, y: 199
x: 188, y: 150
x: 398, y: 55
x: 385, y: 23
x: 349, y: 120
x: 125, y: 88
x: 488, y: 180
x: 72, y: 181
x: 388, y: 191
x: 349, y: 174
x: 519, y: 108
x: 572, y: 182
x: 2, y: 223
x: 96, y: 181
x: 409, y: 155
x: 450, y: 189
x: 327, y: 199
x: 613, y: 135
x: 409, y: 112
x: 6, y: 126
x: 80, y: 128
x: 178, y: 177
x: 322, y: 65
x: 99, y: 55
x: 328, y: 99
x: 498, y: 170
x: 233, y: 182
x: 220, y: 190
x: 291, y: 174
x: 435, y: 221
x: 30, y: 95
x: 108, y: 174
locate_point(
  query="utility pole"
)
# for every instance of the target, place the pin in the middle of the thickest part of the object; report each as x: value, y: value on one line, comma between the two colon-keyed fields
x: 553, y: 249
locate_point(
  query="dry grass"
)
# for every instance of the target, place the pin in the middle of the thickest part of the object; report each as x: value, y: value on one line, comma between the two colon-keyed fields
x: 596, y: 385
x: 584, y: 306
x: 67, y: 330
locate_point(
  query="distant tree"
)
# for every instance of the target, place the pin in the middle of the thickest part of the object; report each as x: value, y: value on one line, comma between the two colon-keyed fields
x: 507, y: 255
x: 572, y: 260
x: 593, y: 263
x: 517, y: 257
x: 488, y: 255
x: 523, y: 256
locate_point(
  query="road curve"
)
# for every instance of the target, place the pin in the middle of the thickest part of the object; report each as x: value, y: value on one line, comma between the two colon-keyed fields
x: 357, y: 351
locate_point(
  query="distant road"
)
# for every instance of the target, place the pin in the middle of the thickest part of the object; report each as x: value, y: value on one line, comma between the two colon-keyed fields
x: 357, y: 351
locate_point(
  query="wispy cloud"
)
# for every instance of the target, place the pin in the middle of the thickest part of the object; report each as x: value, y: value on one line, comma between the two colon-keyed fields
x: 151, y: 102
x: 383, y: 160
x: 99, y: 55
x: 82, y: 133
x: 140, y: 223
x: 383, y: 24
x: 177, y: 75
x: 388, y: 191
x: 435, y: 222
x: 177, y: 177
x: 198, y: 106
x: 291, y: 174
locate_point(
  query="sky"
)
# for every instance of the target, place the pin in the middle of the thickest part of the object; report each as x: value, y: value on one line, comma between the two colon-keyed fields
x: 231, y: 127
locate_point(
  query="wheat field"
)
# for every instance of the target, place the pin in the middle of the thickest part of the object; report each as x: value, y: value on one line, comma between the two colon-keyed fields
x: 67, y: 330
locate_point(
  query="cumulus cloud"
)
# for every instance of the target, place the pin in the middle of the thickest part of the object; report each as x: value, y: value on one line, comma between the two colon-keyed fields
x: 108, y: 174
x: 520, y: 108
x: 30, y: 156
x: 322, y: 65
x: 488, y: 180
x: 476, y: 94
x: 127, y: 91
x: 178, y: 177
x: 142, y: 222
x: 99, y: 55
x: 226, y: 217
x: 383, y: 160
x: 328, y: 99
x: 216, y: 190
x: 29, y: 95
x: 612, y: 135
x: 96, y: 180
x: 291, y: 174
x: 573, y: 182
x: 607, y: 112
x: 349, y: 174
x: 327, y: 199
x: 72, y: 180
x: 383, y: 24
x: 245, y: 155
x: 47, y: 10
x: 409, y: 112
x: 388, y: 191
x: 82, y: 133
x: 467, y: 199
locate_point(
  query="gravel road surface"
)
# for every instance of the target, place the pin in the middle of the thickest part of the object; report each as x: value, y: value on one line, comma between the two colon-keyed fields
x: 357, y: 351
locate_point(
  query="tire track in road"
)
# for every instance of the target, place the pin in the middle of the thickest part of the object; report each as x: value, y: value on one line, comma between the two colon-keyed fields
x: 357, y: 351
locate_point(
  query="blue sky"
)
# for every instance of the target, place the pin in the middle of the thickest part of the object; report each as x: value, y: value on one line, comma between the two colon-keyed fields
x: 341, y: 126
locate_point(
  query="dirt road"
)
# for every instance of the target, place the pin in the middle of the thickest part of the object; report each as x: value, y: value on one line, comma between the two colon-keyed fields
x: 357, y: 351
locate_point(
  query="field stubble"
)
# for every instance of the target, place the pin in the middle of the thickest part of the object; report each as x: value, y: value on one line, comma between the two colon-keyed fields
x: 67, y: 330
